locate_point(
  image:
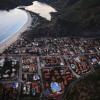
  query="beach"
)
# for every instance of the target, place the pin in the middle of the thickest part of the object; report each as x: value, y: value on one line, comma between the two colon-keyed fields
x: 13, y: 38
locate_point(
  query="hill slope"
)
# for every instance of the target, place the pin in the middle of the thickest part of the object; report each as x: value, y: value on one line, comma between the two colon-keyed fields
x: 85, y: 13
x: 77, y: 18
x: 10, y: 4
x: 87, y: 88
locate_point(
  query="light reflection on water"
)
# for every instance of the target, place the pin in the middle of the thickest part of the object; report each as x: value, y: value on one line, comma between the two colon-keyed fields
x: 11, y: 22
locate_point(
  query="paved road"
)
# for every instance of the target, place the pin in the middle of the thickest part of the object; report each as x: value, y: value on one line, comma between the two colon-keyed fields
x: 39, y: 72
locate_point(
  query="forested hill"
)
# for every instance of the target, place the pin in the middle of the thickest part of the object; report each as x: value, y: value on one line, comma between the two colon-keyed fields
x: 10, y: 4
x: 85, y: 14
x: 78, y: 18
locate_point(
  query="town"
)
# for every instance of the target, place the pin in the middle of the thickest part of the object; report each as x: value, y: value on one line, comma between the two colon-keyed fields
x: 44, y: 68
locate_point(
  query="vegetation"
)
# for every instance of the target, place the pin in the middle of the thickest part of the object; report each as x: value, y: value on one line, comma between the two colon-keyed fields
x: 10, y: 4
x: 85, y: 13
x: 87, y: 88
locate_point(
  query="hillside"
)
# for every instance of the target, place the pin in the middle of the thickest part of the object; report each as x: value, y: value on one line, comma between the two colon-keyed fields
x: 74, y: 18
x: 10, y: 4
x: 85, y: 14
x: 58, y: 4
x: 87, y: 88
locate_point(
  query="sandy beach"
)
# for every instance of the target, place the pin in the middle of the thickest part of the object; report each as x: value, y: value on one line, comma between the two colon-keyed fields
x: 11, y: 40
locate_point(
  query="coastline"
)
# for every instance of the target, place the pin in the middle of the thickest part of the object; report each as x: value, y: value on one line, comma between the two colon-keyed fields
x: 13, y: 38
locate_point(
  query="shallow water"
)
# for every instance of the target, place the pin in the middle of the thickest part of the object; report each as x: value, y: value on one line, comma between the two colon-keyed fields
x: 11, y: 22
x: 42, y: 9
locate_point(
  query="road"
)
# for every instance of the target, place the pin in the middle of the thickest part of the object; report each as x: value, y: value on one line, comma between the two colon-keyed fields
x: 40, y: 74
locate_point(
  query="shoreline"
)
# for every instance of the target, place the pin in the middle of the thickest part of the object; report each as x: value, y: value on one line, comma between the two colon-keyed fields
x: 15, y: 37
